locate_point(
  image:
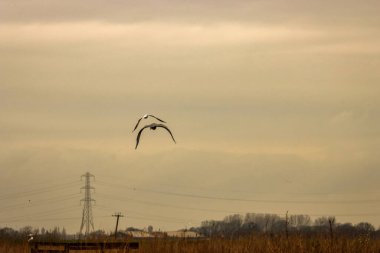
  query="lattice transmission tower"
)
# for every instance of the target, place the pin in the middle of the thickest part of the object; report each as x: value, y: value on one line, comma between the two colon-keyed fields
x: 87, y: 219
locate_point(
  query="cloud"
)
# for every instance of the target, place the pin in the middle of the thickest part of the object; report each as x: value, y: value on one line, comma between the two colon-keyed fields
x: 152, y: 33
x: 262, y: 96
x: 268, y: 11
x: 224, y: 174
x: 150, y: 36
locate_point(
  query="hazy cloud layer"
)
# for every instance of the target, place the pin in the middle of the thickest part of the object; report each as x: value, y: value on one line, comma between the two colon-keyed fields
x: 262, y: 11
x: 143, y: 184
x: 268, y: 100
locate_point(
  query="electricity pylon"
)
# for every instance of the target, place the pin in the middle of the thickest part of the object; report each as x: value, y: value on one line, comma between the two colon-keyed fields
x: 87, y: 207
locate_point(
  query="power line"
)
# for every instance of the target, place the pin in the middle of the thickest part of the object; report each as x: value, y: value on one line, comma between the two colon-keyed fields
x: 262, y: 200
x: 155, y: 204
x: 199, y: 196
x: 223, y: 190
x: 37, y: 191
x: 155, y: 219
x: 41, y: 202
x: 54, y: 219
x: 142, y: 215
x: 152, y: 203
x: 30, y: 184
x: 41, y: 214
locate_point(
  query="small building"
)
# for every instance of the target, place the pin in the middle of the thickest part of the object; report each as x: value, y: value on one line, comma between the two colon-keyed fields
x: 139, y: 234
x: 183, y: 234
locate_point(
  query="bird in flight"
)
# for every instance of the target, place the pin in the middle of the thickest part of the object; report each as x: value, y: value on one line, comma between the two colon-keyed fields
x: 145, y: 117
x: 152, y: 126
x: 30, y: 237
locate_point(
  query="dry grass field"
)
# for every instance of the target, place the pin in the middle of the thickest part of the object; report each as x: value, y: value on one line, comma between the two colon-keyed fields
x: 247, y: 244
x: 13, y: 248
x: 264, y: 244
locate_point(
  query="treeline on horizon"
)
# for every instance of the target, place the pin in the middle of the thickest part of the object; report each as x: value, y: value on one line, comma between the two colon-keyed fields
x: 235, y: 225
x: 251, y: 223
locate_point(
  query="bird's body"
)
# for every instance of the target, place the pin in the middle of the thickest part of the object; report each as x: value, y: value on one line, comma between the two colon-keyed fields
x: 152, y: 126
x: 30, y: 237
x: 145, y: 117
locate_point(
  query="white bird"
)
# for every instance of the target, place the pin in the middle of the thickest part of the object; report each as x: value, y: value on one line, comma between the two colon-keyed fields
x: 30, y: 237
x: 152, y: 126
x: 145, y: 117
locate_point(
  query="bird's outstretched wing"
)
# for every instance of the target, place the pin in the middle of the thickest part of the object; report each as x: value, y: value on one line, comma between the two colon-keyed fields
x: 150, y: 115
x: 138, y: 122
x: 163, y: 126
x: 152, y: 125
x: 146, y: 116
x: 139, y: 134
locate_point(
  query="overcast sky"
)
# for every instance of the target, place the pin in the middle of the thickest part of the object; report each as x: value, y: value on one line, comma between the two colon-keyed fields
x: 274, y: 105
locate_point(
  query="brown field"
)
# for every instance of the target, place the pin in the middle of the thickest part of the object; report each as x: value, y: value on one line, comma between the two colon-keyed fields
x: 13, y: 248
x: 247, y: 244
x: 264, y: 244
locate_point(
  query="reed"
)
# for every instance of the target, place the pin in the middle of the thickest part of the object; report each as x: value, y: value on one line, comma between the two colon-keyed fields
x: 263, y: 244
x: 246, y: 244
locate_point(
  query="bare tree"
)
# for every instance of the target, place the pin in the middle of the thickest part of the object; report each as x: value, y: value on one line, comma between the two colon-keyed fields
x: 299, y: 220
x: 365, y: 228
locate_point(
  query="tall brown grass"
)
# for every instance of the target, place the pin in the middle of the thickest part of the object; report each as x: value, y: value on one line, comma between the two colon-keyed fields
x: 6, y: 247
x: 263, y: 244
x: 246, y: 244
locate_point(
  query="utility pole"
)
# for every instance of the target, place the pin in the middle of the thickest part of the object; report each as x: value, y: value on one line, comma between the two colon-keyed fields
x: 87, y: 219
x: 117, y: 215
